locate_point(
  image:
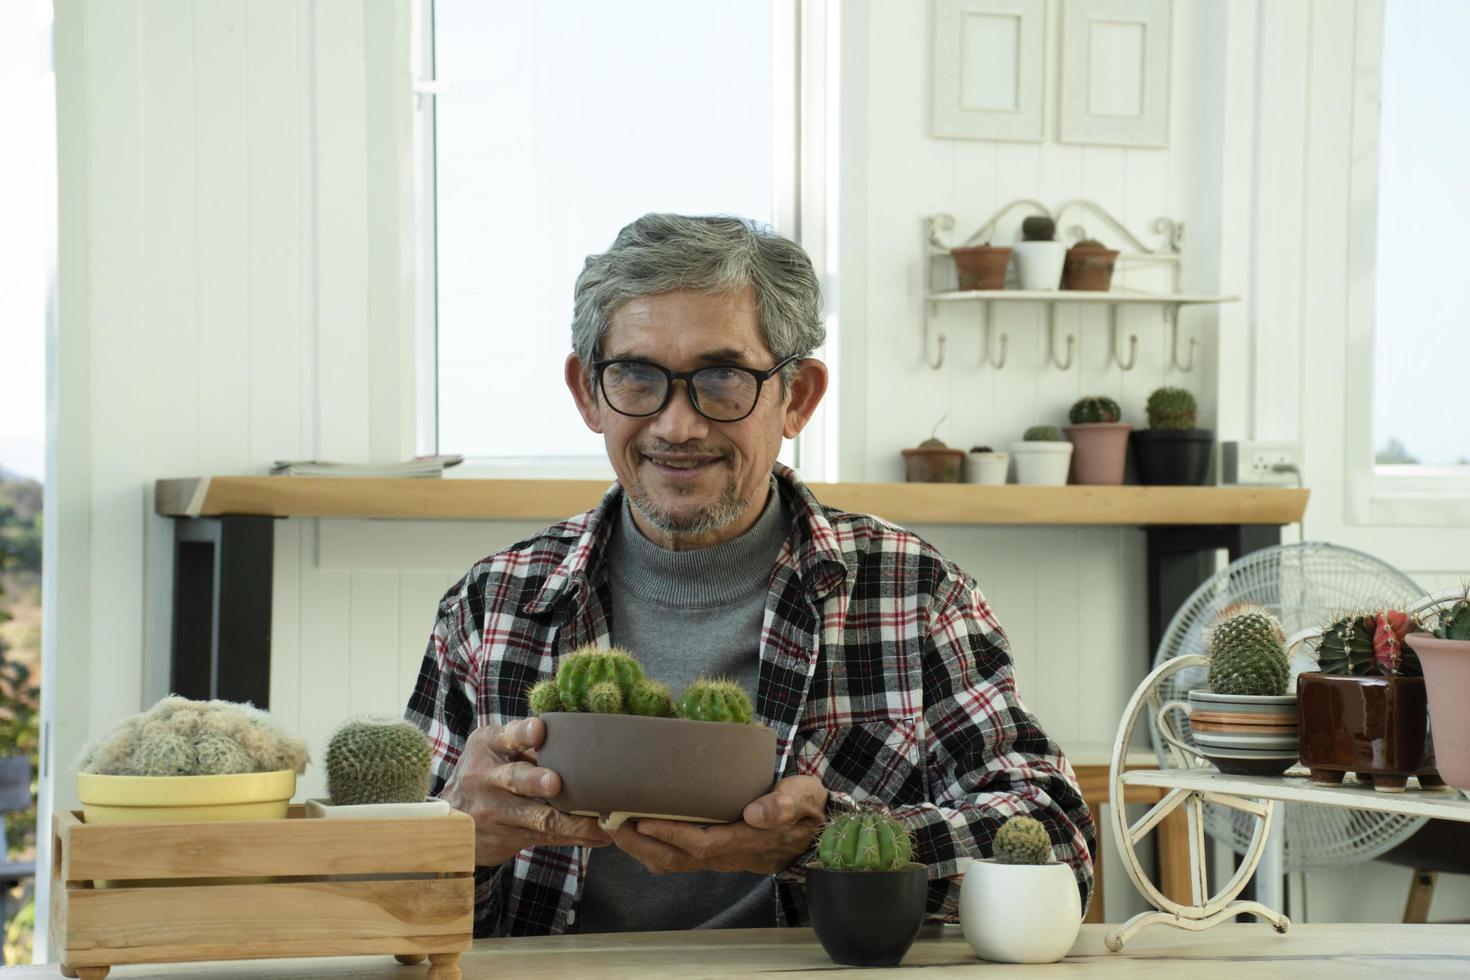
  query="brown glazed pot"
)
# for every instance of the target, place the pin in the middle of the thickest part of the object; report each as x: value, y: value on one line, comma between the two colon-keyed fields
x: 1089, y: 267
x: 619, y: 766
x: 1372, y: 726
x: 1100, y: 452
x: 981, y: 266
x: 939, y: 465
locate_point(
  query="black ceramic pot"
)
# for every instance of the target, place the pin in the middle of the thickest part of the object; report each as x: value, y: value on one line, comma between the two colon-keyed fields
x: 867, y: 918
x: 1172, y: 457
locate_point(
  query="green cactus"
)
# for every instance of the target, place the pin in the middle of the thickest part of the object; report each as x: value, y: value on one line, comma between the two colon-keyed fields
x: 716, y: 700
x: 180, y: 737
x: 1098, y: 408
x: 1022, y: 840
x: 1043, y: 433
x: 1038, y: 228
x: 586, y: 667
x: 605, y: 698
x: 1247, y: 651
x: 545, y: 696
x: 869, y: 840
x: 650, y: 699
x: 1346, y: 647
x: 1454, y: 622
x: 1171, y: 408
x: 377, y: 760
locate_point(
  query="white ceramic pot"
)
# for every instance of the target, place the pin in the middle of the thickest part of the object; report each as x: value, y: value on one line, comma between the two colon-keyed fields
x: 987, y: 468
x: 1020, y: 913
x: 1039, y: 264
x: 1042, y: 463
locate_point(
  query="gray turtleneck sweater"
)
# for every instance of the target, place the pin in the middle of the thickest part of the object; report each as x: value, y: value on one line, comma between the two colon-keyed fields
x: 686, y: 614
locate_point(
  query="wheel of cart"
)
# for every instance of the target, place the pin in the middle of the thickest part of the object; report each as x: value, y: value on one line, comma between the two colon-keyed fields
x: 1205, y: 909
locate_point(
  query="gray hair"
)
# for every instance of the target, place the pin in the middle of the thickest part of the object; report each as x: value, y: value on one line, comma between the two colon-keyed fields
x: 660, y: 253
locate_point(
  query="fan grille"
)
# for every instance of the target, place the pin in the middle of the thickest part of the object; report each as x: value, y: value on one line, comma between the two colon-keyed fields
x: 1304, y: 585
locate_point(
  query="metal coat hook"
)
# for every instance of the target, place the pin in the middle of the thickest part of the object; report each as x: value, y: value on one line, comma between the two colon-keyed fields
x: 931, y: 310
x: 1171, y: 313
x: 1118, y: 343
x: 1005, y: 341
x: 1051, y: 326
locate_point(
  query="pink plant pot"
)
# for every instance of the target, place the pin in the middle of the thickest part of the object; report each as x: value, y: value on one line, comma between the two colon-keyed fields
x: 1100, y: 452
x: 1447, y: 681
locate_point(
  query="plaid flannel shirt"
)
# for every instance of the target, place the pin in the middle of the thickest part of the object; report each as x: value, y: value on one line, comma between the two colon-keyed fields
x: 882, y: 672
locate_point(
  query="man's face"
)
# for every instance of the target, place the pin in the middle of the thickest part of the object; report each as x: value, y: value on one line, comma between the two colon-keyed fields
x: 693, y: 482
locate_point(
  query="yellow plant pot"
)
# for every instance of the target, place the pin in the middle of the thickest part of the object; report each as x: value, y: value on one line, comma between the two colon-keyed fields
x: 183, y: 799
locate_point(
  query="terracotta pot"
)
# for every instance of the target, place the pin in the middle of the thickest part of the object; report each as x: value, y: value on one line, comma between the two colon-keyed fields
x: 619, y: 766
x: 981, y: 266
x: 1172, y: 457
x: 867, y: 918
x: 933, y: 465
x: 1372, y: 726
x: 1100, y: 452
x: 1089, y: 267
x: 1447, y: 679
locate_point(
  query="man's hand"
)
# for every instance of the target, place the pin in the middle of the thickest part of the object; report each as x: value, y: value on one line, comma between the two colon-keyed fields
x: 776, y: 829
x: 496, y: 781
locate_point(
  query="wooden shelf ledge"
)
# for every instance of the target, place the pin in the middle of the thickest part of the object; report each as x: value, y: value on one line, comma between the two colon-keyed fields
x: 550, y: 500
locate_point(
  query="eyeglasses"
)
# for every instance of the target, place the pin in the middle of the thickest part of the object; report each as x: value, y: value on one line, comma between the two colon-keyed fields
x: 722, y: 393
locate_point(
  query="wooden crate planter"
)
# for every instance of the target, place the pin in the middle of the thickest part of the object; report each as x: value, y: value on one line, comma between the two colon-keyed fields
x: 410, y: 895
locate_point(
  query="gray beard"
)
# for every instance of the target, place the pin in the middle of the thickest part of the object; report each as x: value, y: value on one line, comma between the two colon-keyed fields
x: 721, y: 513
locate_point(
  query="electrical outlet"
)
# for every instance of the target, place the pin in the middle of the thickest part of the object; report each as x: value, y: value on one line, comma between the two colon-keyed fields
x: 1261, y: 463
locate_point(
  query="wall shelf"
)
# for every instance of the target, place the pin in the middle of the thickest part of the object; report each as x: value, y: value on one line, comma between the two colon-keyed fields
x: 1169, y: 303
x: 905, y: 503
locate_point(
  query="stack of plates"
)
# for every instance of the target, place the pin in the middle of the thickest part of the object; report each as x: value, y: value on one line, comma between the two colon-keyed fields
x: 1244, y: 734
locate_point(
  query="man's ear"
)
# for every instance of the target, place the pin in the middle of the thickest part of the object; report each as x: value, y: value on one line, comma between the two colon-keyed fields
x: 807, y: 389
x: 580, y: 384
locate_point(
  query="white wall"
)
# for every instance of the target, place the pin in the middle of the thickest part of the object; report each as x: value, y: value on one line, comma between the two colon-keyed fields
x: 235, y: 184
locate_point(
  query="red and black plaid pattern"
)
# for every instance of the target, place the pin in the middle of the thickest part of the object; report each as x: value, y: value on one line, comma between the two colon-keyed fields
x: 883, y: 674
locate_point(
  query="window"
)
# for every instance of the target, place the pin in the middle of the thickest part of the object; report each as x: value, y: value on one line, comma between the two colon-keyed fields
x: 1421, y: 341
x: 548, y: 125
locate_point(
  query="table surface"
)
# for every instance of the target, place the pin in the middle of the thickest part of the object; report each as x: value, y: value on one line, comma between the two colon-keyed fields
x: 1295, y: 787
x: 1338, y: 951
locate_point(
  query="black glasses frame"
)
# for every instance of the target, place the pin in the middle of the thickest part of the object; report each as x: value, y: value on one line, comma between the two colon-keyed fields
x: 761, y: 377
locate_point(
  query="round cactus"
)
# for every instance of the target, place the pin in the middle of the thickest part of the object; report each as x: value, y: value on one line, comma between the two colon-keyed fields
x: 1454, y: 622
x: 1043, y: 433
x: 1171, y: 408
x: 650, y: 699
x: 1022, y: 840
x: 707, y: 700
x: 180, y: 737
x: 544, y: 697
x: 584, y: 668
x: 1247, y: 653
x: 605, y: 698
x: 865, y: 841
x: 1097, y: 408
x: 1038, y: 228
x: 377, y: 760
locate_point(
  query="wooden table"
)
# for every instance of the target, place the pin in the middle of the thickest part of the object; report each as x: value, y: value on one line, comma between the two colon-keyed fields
x: 224, y: 540
x: 1335, y: 951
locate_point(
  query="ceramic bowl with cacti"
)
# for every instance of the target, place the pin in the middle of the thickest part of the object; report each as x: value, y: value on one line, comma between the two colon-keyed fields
x: 626, y: 747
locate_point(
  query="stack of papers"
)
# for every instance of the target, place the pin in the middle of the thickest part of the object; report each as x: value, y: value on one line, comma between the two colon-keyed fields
x: 418, y: 466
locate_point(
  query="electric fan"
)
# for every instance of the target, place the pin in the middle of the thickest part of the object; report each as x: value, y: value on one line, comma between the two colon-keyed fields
x: 1306, y: 586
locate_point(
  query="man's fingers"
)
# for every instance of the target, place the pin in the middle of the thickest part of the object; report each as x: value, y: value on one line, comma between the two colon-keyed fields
x: 524, y: 779
x: 518, y: 737
x: 659, y: 858
x: 771, y: 811
x: 548, y: 822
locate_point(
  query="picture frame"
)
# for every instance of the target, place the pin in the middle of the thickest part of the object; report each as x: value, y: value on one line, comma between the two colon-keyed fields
x: 989, y: 69
x: 1115, y: 68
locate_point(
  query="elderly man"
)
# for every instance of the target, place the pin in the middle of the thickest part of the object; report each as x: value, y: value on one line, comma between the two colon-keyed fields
x: 876, y: 661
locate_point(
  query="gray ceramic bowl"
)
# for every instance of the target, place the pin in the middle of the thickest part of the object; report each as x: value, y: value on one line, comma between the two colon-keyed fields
x: 616, y: 767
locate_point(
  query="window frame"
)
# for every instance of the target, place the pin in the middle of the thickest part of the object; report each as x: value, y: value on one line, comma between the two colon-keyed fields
x: 804, y: 123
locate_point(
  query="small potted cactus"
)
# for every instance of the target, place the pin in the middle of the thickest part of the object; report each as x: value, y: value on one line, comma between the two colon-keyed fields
x: 985, y: 466
x: 865, y: 895
x: 1089, y: 265
x: 1043, y: 456
x: 1445, y: 657
x: 1365, y: 711
x: 1172, y: 451
x: 377, y: 769
x: 1101, y: 441
x: 1039, y: 257
x: 933, y: 461
x: 184, y: 760
x: 981, y: 266
x: 1246, y: 722
x: 625, y: 747
x: 1021, y: 905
